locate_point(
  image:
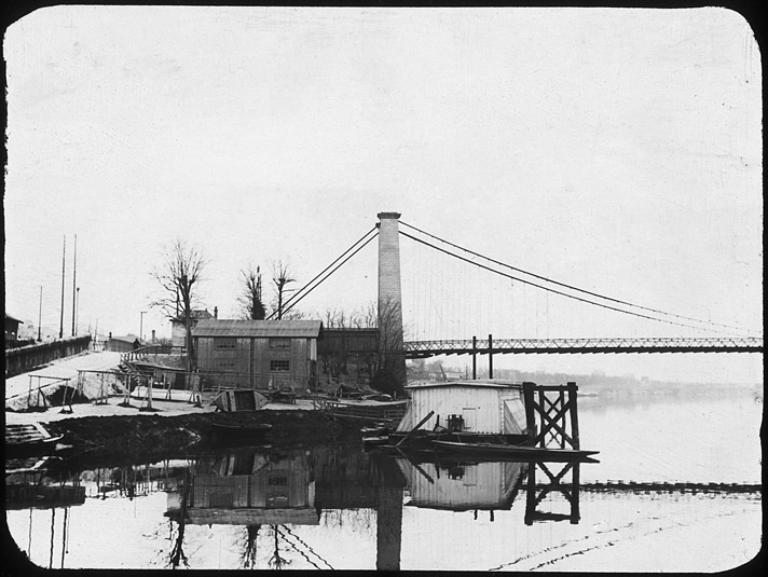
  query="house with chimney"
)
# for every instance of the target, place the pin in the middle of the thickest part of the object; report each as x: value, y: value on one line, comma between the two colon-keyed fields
x: 178, y: 329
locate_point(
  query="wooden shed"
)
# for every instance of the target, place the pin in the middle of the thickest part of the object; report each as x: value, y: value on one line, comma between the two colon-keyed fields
x: 258, y: 354
x: 481, y: 407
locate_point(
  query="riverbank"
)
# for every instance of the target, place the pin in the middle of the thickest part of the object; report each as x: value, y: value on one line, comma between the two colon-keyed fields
x: 119, y: 439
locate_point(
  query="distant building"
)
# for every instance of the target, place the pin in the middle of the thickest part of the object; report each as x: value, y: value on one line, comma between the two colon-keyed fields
x: 347, y: 356
x: 255, y: 353
x: 178, y: 328
x: 11, y: 330
x: 121, y: 344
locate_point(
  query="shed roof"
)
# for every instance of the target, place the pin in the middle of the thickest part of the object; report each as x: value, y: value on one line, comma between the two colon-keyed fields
x: 493, y: 384
x: 10, y: 318
x: 258, y: 329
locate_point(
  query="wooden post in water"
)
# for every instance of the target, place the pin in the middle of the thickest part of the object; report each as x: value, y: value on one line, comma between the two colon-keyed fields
x: 474, y: 358
x: 530, y: 490
x: 490, y: 356
x: 575, y: 488
x: 572, y: 394
x: 530, y: 419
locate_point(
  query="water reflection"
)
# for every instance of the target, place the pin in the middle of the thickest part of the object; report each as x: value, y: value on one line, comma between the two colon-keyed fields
x: 269, y: 494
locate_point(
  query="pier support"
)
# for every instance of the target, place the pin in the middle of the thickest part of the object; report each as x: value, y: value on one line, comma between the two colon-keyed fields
x: 554, y: 411
x: 390, y: 309
x: 490, y: 356
x: 536, y: 493
x: 474, y: 358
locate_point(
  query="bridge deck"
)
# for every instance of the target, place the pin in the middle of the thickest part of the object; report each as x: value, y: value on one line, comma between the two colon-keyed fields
x: 424, y: 349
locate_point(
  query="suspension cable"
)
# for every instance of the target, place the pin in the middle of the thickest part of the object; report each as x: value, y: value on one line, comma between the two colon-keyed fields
x: 338, y: 266
x: 570, y: 296
x: 298, y: 292
x: 549, y: 280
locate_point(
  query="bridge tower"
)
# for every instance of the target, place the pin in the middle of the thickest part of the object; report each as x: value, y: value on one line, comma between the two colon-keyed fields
x: 390, y: 310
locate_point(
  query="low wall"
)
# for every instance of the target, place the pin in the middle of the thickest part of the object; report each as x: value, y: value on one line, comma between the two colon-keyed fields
x: 25, y: 359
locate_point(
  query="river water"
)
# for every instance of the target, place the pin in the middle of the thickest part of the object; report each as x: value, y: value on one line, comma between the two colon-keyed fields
x: 676, y: 489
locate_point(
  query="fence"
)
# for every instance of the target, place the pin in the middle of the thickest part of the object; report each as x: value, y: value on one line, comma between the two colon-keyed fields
x: 26, y: 359
x: 147, y: 353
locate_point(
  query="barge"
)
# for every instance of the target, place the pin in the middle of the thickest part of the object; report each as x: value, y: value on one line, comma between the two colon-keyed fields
x: 492, y: 418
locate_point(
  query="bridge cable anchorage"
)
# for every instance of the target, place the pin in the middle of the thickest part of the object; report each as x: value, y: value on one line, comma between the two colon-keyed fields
x: 297, y: 300
x: 540, y: 277
x: 570, y: 296
x: 295, y: 296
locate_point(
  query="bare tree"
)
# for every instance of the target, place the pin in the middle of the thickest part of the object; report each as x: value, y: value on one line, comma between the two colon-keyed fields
x: 281, y: 276
x: 388, y: 371
x: 250, y: 299
x: 179, y: 277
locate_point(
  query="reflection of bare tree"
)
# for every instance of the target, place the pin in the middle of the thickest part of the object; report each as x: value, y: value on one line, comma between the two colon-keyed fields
x: 177, y: 553
x: 249, y: 555
x: 276, y: 561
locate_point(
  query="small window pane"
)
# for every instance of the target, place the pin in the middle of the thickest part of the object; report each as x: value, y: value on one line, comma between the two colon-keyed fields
x: 279, y: 365
x: 279, y: 343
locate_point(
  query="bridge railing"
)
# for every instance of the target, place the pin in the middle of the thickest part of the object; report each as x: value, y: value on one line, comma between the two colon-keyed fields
x: 416, y: 349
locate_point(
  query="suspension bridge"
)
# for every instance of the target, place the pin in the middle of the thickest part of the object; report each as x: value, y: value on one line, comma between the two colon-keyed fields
x: 729, y: 339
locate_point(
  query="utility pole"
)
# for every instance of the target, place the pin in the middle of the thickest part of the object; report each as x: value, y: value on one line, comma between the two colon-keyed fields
x: 63, y: 270
x: 141, y: 326
x: 74, y: 285
x: 40, y: 317
x: 77, y: 317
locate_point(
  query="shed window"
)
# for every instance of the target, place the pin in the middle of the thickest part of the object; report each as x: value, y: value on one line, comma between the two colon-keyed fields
x: 279, y: 365
x: 279, y: 343
x: 224, y: 343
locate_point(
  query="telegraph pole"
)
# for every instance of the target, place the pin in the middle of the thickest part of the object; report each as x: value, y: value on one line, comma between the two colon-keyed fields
x: 77, y: 318
x: 141, y: 325
x: 63, y: 270
x: 40, y: 317
x: 74, y: 285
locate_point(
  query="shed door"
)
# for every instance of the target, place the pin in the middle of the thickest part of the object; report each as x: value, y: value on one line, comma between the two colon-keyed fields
x: 470, y: 418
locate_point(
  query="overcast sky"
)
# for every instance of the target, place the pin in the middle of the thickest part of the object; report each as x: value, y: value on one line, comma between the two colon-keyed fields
x: 616, y: 150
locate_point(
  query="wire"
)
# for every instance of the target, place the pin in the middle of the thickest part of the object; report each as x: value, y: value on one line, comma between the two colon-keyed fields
x: 594, y: 294
x: 359, y: 248
x: 570, y: 296
x: 298, y: 292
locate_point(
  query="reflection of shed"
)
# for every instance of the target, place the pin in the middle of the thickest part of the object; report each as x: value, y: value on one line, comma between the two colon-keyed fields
x: 255, y: 353
x: 459, y: 487
x: 491, y: 407
x: 249, y: 488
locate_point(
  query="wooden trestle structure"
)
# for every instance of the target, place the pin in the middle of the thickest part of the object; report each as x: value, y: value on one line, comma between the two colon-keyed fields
x: 555, y: 412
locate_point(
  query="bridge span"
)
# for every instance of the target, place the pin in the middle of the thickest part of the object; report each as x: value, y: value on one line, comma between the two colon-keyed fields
x: 425, y: 349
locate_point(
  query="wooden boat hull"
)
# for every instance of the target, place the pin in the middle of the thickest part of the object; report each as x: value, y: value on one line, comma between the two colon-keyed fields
x: 245, y: 432
x: 499, y: 449
x: 29, y: 440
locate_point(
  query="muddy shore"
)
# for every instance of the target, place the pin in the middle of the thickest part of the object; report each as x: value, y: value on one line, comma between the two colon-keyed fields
x: 119, y: 439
